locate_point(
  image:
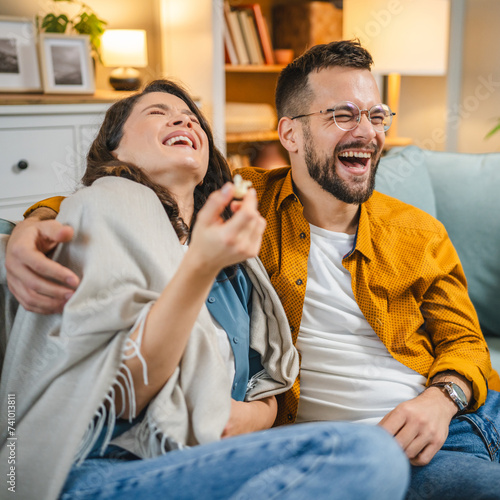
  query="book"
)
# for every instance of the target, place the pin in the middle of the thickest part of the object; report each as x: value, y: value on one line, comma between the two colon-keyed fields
x: 263, y: 32
x: 245, y: 31
x: 237, y: 36
x: 231, y: 55
x: 250, y: 36
x: 255, y: 36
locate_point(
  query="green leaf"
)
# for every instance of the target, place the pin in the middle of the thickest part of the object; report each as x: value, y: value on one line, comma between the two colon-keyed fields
x: 493, y: 131
x: 55, y: 24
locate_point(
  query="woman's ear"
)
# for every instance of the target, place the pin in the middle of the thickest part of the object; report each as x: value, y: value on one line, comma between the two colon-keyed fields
x: 288, y: 134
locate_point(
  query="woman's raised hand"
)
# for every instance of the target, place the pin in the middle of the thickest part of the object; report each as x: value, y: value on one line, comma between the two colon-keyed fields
x: 218, y: 243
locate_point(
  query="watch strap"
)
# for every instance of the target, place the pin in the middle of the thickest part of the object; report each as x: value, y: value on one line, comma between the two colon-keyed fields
x: 453, y: 390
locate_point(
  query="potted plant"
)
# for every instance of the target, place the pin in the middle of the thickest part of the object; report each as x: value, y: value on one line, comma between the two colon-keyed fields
x: 85, y: 22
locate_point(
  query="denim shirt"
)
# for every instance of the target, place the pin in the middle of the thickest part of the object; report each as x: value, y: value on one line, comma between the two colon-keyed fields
x: 230, y: 303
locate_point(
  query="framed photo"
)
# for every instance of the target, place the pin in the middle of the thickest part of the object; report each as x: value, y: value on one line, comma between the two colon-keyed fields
x: 19, y: 69
x: 66, y: 64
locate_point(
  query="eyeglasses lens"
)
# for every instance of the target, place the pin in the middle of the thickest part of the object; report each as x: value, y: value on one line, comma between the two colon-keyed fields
x: 347, y: 116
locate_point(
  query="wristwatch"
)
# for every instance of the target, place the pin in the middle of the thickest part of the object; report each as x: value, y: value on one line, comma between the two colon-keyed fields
x: 456, y: 394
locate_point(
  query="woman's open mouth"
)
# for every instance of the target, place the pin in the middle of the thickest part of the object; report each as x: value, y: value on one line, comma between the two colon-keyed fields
x: 179, y: 140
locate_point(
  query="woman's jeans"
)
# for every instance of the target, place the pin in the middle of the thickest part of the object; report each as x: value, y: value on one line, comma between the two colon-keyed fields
x: 468, y: 465
x: 305, y: 462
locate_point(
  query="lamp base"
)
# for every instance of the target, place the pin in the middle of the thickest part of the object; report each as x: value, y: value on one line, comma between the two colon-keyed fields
x: 125, y: 79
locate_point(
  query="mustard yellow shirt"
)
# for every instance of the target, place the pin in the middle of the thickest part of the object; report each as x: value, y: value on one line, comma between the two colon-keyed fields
x: 406, y: 277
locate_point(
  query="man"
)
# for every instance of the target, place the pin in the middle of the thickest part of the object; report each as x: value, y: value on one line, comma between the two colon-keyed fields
x: 373, y: 289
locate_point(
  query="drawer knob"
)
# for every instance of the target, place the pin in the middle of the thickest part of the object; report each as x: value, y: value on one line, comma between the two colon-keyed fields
x: 22, y: 165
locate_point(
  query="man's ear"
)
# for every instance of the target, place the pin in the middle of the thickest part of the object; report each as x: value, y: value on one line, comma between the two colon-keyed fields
x: 288, y: 134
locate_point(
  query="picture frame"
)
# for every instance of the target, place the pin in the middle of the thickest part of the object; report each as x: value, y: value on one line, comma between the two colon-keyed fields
x: 67, y: 66
x: 19, y: 68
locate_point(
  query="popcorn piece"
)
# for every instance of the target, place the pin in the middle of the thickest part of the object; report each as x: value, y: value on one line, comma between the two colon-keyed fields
x: 241, y: 186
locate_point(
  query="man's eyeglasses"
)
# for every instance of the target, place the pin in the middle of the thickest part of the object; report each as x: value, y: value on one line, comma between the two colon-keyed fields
x: 347, y: 116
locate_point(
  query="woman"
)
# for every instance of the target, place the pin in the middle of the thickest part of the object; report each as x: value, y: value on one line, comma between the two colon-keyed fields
x: 136, y: 367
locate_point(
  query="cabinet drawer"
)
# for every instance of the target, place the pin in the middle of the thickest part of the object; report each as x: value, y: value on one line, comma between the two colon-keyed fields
x: 52, y: 161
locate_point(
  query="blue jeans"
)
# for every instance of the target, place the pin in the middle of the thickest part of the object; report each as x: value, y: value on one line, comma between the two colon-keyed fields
x: 308, y: 461
x: 468, y: 465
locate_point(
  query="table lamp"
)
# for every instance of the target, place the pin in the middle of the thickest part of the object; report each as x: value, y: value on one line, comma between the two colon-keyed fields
x: 124, y: 50
x: 404, y: 38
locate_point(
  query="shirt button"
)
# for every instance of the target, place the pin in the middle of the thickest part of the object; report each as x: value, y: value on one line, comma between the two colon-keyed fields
x: 235, y: 340
x: 211, y: 300
x: 290, y: 417
x: 302, y: 235
x: 299, y: 282
x: 292, y: 328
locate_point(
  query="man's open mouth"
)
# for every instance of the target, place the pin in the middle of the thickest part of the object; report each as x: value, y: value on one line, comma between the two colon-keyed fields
x: 357, y: 159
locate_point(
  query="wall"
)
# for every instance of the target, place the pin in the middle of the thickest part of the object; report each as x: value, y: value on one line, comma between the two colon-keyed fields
x: 480, y: 100
x: 118, y: 14
x: 423, y: 109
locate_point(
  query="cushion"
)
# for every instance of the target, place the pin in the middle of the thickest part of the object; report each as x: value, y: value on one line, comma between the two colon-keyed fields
x: 403, y: 175
x: 466, y: 188
x: 461, y: 190
x: 6, y: 226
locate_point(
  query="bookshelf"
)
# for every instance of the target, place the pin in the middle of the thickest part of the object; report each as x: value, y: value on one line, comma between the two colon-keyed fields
x: 254, y: 68
x: 254, y: 83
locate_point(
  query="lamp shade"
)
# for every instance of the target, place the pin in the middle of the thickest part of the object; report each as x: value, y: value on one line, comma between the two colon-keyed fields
x: 124, y: 48
x: 404, y: 36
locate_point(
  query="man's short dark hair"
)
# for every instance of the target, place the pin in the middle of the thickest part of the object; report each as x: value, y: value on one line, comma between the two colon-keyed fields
x: 293, y: 92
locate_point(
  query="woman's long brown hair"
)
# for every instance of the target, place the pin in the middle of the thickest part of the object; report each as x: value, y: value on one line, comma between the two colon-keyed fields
x: 101, y: 162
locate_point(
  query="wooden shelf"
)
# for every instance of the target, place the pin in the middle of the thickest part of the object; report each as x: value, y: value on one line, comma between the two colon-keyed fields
x: 269, y: 136
x: 100, y: 96
x: 254, y: 68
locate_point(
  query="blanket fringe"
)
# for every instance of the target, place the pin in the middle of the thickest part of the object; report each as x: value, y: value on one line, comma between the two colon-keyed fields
x: 106, y: 412
x: 262, y: 375
x: 152, y: 441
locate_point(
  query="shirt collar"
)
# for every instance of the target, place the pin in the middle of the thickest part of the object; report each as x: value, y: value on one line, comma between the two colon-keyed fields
x: 287, y: 189
x: 363, y: 241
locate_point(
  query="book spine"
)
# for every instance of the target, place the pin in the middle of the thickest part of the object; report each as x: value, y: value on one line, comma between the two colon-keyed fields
x: 264, y: 35
x: 247, y: 36
x: 232, y: 57
x: 239, y: 43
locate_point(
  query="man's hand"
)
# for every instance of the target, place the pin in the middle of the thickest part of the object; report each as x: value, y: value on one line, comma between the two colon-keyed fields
x: 420, y: 425
x: 38, y: 283
x: 250, y: 417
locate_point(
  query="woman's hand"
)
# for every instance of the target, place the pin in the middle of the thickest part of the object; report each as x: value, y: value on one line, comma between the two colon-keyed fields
x: 250, y: 417
x: 216, y: 243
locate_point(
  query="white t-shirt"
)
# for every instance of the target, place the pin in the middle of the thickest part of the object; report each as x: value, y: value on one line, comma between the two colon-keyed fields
x: 346, y: 373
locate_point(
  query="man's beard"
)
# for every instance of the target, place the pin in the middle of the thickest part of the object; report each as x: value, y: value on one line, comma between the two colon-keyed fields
x: 324, y: 173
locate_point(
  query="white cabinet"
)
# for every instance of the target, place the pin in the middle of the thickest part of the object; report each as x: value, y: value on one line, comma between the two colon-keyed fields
x: 42, y: 151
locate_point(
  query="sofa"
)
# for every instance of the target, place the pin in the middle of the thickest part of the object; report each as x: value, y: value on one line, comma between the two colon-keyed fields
x: 463, y: 192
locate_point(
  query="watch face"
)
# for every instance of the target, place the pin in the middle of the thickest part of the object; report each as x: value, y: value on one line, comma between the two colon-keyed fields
x: 460, y: 394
